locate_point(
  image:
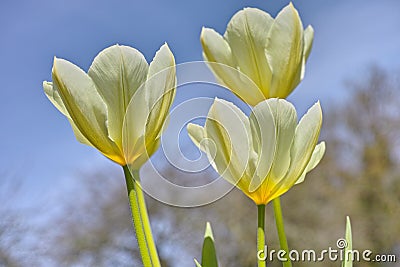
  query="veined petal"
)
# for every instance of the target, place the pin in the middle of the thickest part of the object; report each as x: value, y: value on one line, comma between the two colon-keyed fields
x: 54, y: 97
x: 308, y: 41
x: 219, y: 56
x: 216, y: 49
x: 196, y: 134
x: 118, y: 72
x: 148, y: 109
x: 83, y: 104
x: 140, y: 153
x: 316, y: 157
x: 229, y: 129
x: 263, y: 132
x: 285, y: 51
x: 160, y: 91
x: 285, y: 120
x: 247, y: 36
x: 133, y: 130
x: 305, y: 140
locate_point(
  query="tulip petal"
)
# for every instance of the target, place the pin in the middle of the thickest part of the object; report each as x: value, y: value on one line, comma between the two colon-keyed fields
x: 228, y: 128
x: 305, y: 140
x: 285, y: 51
x: 219, y: 56
x: 133, y: 131
x: 216, y: 49
x: 247, y: 36
x: 316, y: 157
x: 54, y: 97
x: 118, y: 72
x: 285, y: 120
x: 308, y: 41
x: 148, y: 109
x: 264, y: 139
x: 160, y: 90
x: 196, y: 134
x: 83, y: 104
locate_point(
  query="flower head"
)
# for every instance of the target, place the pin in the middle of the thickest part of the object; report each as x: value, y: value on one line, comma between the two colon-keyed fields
x: 259, y: 57
x: 264, y: 154
x: 120, y: 105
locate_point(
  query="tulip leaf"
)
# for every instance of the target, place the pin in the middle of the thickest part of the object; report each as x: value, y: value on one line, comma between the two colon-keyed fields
x: 209, y: 255
x: 197, y: 263
x: 348, y: 260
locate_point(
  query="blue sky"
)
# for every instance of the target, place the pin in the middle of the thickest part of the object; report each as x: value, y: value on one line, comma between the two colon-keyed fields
x: 36, y: 142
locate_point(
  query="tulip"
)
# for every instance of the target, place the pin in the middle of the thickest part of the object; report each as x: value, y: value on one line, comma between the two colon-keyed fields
x: 265, y: 154
x: 119, y: 107
x: 259, y: 57
x: 119, y: 85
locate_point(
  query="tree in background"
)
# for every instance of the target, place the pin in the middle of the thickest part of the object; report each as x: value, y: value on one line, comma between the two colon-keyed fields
x: 16, y: 235
x: 359, y: 175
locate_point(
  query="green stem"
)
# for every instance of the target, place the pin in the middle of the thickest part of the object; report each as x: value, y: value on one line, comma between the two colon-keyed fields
x: 281, y: 230
x: 261, y: 233
x: 146, y: 223
x: 140, y: 219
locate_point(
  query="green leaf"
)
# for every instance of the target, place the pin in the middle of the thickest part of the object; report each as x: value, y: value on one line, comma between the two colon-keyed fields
x: 348, y: 261
x: 197, y: 263
x: 209, y: 255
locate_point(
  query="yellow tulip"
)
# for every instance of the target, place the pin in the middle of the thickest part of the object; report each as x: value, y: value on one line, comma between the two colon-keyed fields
x: 120, y: 105
x: 259, y: 57
x: 264, y: 154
